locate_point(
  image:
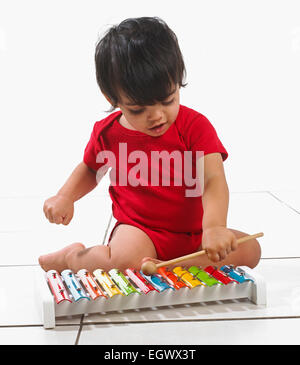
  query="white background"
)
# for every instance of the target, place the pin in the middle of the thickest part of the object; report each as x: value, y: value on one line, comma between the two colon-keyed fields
x: 243, y: 73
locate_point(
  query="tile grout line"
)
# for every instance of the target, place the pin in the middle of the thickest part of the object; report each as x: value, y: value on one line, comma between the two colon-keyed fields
x: 20, y: 265
x: 81, y: 324
x: 44, y: 196
x: 192, y: 320
x: 283, y: 202
x: 79, y: 330
x: 37, y: 325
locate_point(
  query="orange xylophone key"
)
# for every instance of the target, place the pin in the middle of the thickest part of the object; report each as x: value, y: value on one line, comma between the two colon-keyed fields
x: 187, y: 277
x: 171, y: 278
x: 90, y: 284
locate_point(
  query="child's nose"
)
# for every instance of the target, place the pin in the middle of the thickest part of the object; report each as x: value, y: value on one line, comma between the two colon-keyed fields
x: 155, y: 116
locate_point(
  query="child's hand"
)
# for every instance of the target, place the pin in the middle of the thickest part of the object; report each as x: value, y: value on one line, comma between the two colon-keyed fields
x: 218, y: 242
x: 59, y: 209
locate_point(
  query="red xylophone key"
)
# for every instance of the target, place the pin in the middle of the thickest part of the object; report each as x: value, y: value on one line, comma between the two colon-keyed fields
x: 217, y: 274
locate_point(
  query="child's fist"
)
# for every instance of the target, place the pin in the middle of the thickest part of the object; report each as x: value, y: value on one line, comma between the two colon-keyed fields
x: 218, y: 242
x: 59, y: 209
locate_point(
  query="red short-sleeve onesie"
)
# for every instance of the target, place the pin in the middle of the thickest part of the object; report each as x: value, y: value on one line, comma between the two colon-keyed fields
x: 158, y: 206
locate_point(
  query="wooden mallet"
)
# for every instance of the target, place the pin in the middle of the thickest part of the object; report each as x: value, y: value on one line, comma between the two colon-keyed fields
x: 150, y: 267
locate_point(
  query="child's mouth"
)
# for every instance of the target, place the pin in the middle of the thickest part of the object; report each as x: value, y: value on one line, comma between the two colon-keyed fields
x: 158, y: 128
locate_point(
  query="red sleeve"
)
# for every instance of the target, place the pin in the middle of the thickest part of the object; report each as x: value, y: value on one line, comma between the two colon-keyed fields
x: 200, y: 135
x: 97, y: 142
x: 92, y: 149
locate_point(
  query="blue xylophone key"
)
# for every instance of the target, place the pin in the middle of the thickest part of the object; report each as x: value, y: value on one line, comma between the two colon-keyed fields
x: 157, y: 282
x: 73, y: 285
x: 231, y: 272
x: 243, y: 273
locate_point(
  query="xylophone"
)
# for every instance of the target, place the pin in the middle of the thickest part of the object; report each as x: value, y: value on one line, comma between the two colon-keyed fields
x: 67, y: 293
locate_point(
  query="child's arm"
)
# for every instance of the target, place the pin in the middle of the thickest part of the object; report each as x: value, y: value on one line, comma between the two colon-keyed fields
x: 60, y: 207
x: 81, y: 182
x: 217, y: 240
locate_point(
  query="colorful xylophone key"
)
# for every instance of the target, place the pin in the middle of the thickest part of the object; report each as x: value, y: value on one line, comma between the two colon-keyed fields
x: 217, y: 274
x: 157, y: 282
x: 136, y: 277
x: 122, y: 282
x: 171, y: 278
x: 73, y: 285
x: 57, y: 287
x: 203, y: 276
x: 244, y: 274
x: 187, y: 277
x: 106, y: 282
x: 90, y: 284
x: 232, y: 273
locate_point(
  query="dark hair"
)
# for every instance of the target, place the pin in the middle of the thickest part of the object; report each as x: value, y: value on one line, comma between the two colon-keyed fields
x: 141, y: 58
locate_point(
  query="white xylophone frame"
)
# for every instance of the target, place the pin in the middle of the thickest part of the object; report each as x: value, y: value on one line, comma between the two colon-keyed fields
x: 255, y: 291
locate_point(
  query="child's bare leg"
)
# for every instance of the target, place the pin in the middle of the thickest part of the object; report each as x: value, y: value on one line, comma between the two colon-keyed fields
x: 247, y: 254
x: 126, y: 249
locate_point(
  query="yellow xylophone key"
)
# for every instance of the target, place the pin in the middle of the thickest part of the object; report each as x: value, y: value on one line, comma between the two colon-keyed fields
x: 105, y: 281
x: 187, y: 277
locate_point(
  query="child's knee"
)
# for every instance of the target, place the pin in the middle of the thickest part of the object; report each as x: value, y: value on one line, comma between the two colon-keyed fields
x: 254, y: 253
x: 74, y: 258
x: 92, y: 258
x: 101, y: 257
x: 71, y: 258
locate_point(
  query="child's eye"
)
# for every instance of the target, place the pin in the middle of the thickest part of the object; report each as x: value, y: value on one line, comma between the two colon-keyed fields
x: 138, y: 111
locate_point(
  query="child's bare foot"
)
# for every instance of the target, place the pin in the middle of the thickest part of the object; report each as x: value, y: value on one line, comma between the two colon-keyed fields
x: 56, y: 260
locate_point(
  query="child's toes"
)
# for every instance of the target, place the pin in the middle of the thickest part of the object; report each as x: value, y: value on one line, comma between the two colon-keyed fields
x: 42, y: 262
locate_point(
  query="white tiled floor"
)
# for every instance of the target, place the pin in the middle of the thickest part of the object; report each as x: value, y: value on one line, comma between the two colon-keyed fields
x: 204, y: 333
x: 25, y: 234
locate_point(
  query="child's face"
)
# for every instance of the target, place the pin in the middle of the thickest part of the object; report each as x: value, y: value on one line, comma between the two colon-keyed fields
x: 153, y: 120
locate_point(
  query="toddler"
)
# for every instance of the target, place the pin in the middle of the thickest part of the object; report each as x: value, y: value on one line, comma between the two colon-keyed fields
x: 168, y: 188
